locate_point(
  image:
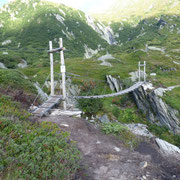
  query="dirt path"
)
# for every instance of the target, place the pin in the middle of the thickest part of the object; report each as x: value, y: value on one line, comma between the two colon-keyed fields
x: 105, y: 158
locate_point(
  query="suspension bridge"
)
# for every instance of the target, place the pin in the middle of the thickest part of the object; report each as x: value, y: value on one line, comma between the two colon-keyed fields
x: 53, y: 99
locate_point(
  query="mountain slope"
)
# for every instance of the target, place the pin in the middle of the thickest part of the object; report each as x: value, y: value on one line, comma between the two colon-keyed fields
x: 134, y: 10
x: 27, y: 26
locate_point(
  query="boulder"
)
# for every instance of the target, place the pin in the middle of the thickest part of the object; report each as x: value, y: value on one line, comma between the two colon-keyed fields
x: 104, y: 119
x: 156, y: 110
x: 167, y: 148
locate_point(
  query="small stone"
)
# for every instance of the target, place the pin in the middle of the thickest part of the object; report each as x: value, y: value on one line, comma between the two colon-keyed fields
x: 91, y: 121
x: 143, y: 165
x: 104, y: 119
x: 64, y: 125
x: 174, y: 176
x: 117, y: 149
x: 153, y: 74
x: 144, y: 177
x: 98, y: 142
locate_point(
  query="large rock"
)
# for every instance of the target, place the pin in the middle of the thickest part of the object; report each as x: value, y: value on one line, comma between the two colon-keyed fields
x: 114, y: 83
x: 2, y: 66
x: 167, y: 148
x: 156, y: 110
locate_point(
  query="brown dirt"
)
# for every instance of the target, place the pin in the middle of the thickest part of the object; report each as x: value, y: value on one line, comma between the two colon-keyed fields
x: 100, y: 160
x: 18, y: 95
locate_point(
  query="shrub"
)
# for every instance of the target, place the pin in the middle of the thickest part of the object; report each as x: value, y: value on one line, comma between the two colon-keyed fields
x: 127, y: 116
x: 31, y: 151
x: 89, y: 106
x: 121, y: 132
x: 163, y: 133
x: 11, y: 109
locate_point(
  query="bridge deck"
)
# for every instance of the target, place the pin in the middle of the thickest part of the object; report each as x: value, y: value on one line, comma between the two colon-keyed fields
x: 125, y: 91
x: 47, y: 106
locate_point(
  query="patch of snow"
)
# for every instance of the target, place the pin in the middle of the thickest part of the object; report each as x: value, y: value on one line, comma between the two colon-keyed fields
x: 175, y: 62
x: 2, y: 66
x: 59, y: 18
x: 61, y: 11
x: 5, y: 53
x: 105, y: 63
x: 89, y: 52
x: 153, y: 48
x: 6, y: 42
x: 104, y: 58
x: 23, y: 64
x: 139, y: 129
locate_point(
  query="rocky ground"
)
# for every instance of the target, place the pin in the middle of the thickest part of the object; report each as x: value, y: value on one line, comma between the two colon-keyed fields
x: 104, y: 157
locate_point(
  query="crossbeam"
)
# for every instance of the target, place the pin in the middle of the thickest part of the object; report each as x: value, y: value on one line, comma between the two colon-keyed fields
x: 56, y: 50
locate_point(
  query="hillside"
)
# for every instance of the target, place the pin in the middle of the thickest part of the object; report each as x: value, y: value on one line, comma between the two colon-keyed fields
x: 27, y: 26
x: 135, y: 10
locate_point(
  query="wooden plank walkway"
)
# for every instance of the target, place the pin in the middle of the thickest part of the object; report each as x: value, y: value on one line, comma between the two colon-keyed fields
x: 47, y: 106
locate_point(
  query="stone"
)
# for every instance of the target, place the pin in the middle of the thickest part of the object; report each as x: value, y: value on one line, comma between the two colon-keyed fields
x: 139, y: 129
x: 2, y: 66
x: 23, y: 64
x: 156, y: 110
x: 167, y: 148
x: 114, y: 83
x: 104, y: 119
x: 64, y: 125
x: 153, y: 74
x: 117, y: 149
x: 143, y: 165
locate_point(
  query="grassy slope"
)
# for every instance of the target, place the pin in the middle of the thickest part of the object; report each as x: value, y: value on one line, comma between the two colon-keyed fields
x: 33, y: 27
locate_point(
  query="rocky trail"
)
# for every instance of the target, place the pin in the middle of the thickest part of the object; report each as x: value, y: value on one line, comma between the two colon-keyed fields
x: 104, y: 157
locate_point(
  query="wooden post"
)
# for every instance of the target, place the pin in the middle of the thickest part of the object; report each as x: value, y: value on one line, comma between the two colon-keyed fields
x: 139, y: 71
x: 51, y: 69
x: 144, y: 71
x: 63, y: 71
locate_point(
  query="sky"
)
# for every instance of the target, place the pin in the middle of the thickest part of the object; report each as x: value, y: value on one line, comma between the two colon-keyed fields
x: 88, y: 6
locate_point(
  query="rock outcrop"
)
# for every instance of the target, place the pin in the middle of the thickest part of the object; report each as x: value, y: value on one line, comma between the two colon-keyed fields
x: 156, y: 110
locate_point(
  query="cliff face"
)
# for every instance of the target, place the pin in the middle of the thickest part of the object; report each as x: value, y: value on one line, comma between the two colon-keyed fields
x: 156, y: 110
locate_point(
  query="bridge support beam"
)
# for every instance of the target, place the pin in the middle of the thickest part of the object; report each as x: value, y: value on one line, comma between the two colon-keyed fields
x: 63, y: 71
x: 51, y: 69
x: 144, y: 71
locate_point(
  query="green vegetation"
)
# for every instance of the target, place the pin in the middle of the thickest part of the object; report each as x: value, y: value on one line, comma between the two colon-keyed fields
x: 89, y: 106
x: 15, y: 80
x: 11, y: 109
x: 172, y: 98
x: 121, y: 132
x: 33, y: 151
x: 163, y: 133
